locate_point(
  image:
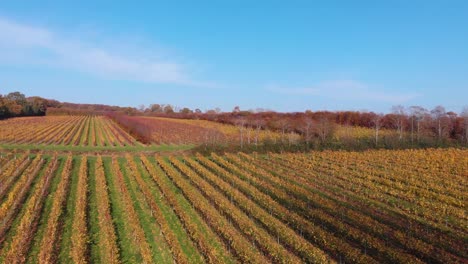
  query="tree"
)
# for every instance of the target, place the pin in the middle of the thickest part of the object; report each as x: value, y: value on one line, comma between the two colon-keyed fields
x: 14, y: 109
x: 283, y: 124
x: 3, y: 107
x: 377, y: 123
x: 464, y: 115
x: 306, y: 128
x: 156, y: 108
x: 240, y: 123
x: 417, y: 114
x: 168, y: 109
x: 185, y: 110
x: 259, y: 123
x: 439, y: 114
x: 398, y: 118
x: 17, y: 97
x: 38, y: 105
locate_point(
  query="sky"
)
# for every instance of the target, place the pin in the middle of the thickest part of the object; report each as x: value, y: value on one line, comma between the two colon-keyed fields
x: 278, y: 55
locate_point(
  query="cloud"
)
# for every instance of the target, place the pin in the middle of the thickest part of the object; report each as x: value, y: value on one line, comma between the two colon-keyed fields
x: 345, y: 90
x: 32, y: 45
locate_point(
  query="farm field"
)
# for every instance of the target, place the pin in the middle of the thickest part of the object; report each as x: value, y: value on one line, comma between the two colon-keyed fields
x: 97, y: 131
x: 379, y: 206
x: 230, y: 133
x: 161, y: 130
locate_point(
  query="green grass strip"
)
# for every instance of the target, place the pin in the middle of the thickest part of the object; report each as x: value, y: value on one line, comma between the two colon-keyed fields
x: 129, y: 252
x: 171, y: 218
x: 214, y: 240
x: 160, y: 250
x: 93, y: 222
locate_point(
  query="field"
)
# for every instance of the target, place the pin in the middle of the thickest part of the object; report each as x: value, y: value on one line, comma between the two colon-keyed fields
x: 229, y: 133
x: 64, y: 130
x: 102, y: 133
x: 183, y: 131
x: 400, y: 206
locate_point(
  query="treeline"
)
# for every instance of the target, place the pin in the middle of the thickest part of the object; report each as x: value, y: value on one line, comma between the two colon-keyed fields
x: 17, y: 104
x: 402, y: 127
x: 59, y: 108
x: 413, y: 124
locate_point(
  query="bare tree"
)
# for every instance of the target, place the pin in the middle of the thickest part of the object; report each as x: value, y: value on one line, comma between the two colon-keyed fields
x: 464, y: 115
x: 240, y: 123
x: 259, y: 123
x: 417, y: 115
x: 324, y: 128
x: 439, y: 114
x: 377, y: 123
x: 284, y: 125
x: 306, y: 128
x: 399, y: 116
x: 249, y: 132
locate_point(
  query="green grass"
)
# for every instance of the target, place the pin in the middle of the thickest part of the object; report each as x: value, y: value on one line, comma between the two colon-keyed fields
x: 171, y: 218
x: 213, y: 239
x: 154, y: 237
x: 136, y: 148
x: 128, y: 250
x: 93, y: 222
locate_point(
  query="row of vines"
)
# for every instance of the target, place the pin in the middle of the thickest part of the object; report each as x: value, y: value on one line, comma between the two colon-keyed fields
x: 381, y: 206
x: 64, y: 130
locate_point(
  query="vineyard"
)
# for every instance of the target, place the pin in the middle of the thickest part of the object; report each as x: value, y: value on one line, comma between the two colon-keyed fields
x: 399, y: 206
x: 101, y: 131
x: 184, y: 131
x: 64, y: 130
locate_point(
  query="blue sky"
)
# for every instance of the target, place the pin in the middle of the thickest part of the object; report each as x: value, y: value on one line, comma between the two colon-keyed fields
x: 280, y: 55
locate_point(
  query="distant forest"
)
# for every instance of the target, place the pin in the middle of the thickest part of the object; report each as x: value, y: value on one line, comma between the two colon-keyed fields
x: 414, y: 124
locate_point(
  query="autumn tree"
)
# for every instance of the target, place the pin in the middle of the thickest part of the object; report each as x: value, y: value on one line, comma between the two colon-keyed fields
x: 156, y: 108
x: 185, y: 110
x: 168, y: 109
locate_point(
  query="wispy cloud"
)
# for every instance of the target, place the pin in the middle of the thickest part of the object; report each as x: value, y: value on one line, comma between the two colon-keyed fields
x: 28, y: 44
x: 346, y: 90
